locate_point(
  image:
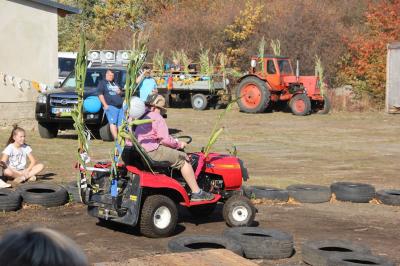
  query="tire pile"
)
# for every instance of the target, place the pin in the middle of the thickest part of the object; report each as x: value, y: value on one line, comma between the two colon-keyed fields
x: 44, y: 194
x: 343, y: 191
x: 272, y: 244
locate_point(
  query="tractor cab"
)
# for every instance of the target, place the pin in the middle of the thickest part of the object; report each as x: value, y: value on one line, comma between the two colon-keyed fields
x: 273, y: 69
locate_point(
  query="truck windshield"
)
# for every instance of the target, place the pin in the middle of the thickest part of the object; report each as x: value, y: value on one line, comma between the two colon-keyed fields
x: 93, y: 77
x: 285, y: 67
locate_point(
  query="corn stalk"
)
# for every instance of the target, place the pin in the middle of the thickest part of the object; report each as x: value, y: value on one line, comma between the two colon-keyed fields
x: 184, y: 59
x: 158, y: 61
x: 77, y: 112
x: 276, y: 47
x: 319, y: 72
x: 138, y: 56
x: 217, y: 130
x: 261, y: 50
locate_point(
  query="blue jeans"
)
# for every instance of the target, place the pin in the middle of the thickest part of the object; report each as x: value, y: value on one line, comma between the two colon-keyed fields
x: 114, y: 115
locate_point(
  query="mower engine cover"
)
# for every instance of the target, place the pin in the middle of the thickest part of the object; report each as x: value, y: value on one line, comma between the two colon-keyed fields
x: 229, y: 167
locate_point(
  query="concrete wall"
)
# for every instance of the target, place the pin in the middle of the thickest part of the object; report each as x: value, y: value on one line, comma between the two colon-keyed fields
x: 393, y: 78
x: 28, y: 50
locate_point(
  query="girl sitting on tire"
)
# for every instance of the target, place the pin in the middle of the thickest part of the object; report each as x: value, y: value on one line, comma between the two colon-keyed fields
x: 14, y: 156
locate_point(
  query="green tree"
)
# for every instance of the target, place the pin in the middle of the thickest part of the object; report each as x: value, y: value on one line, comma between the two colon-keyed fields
x: 69, y: 26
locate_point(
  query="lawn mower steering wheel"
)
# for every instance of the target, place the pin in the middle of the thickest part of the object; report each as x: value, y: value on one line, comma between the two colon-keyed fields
x: 186, y: 139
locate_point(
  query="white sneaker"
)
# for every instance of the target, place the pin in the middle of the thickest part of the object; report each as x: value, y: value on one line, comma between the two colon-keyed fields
x: 4, y: 184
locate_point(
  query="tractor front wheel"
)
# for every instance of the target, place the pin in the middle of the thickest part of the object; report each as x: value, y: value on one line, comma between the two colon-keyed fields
x: 300, y: 104
x: 239, y: 211
x: 159, y: 216
x: 253, y: 94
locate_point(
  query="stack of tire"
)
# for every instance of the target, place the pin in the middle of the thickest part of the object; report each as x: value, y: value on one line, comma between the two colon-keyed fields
x: 339, y: 252
x: 343, y: 191
x: 249, y: 242
x: 44, y: 194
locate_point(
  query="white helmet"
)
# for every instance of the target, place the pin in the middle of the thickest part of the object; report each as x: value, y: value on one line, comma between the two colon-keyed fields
x: 137, y: 107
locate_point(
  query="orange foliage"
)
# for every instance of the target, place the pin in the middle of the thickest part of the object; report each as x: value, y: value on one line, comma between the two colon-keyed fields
x: 365, y: 65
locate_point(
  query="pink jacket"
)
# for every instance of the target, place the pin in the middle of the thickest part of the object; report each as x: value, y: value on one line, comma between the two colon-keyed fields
x: 150, y: 136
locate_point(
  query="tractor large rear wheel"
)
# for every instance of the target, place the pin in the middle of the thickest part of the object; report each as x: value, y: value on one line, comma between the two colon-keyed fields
x: 254, y: 95
x: 300, y: 104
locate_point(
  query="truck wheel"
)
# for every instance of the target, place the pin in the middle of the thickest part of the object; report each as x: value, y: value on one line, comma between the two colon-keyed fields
x: 199, y: 102
x: 159, y: 216
x: 48, y: 131
x: 300, y: 104
x: 238, y: 211
x: 202, y: 211
x: 105, y: 133
x: 254, y: 95
x: 327, y: 106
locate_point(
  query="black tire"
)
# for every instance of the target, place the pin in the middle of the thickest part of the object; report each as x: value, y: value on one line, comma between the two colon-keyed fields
x: 202, y: 211
x: 309, y: 193
x: 301, y: 110
x: 271, y: 193
x: 73, y: 191
x: 259, y: 243
x: 151, y: 206
x: 48, y: 131
x: 389, y: 196
x: 196, y: 243
x: 357, y: 259
x: 316, y: 253
x: 47, y: 195
x: 199, y: 102
x: 353, y: 192
x: 245, y: 102
x: 105, y: 133
x: 10, y: 200
x: 326, y: 107
x: 238, y: 211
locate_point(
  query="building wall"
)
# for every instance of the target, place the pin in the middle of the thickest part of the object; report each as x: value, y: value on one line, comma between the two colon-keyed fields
x: 393, y: 78
x: 28, y: 50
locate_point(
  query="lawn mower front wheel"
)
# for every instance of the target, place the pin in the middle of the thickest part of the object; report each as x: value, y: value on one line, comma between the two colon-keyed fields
x: 238, y: 211
x: 159, y: 216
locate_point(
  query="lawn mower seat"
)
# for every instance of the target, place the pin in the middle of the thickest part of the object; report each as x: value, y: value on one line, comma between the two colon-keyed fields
x: 132, y: 156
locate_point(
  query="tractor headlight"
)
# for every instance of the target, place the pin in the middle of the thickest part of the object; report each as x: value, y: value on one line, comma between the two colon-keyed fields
x: 42, y: 98
x: 226, y: 82
x: 253, y: 63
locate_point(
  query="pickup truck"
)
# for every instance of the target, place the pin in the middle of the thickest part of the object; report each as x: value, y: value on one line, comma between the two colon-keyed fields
x: 53, y: 108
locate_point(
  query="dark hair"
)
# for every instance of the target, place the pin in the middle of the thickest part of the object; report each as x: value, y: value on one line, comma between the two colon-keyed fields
x: 14, y: 132
x: 39, y: 247
x: 146, y: 67
x: 109, y: 70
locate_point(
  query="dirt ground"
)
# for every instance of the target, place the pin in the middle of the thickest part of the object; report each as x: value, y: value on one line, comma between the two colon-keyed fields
x: 279, y: 149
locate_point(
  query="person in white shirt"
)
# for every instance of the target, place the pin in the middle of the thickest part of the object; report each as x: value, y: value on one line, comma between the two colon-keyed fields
x: 15, y: 157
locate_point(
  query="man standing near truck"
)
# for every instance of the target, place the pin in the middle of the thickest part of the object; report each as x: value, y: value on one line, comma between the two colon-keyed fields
x: 110, y: 96
x: 147, y: 84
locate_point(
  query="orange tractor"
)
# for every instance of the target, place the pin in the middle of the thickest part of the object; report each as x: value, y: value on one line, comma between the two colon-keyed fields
x: 271, y: 80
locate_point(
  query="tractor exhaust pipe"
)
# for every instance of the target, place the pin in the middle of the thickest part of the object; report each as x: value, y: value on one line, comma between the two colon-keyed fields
x: 297, y: 69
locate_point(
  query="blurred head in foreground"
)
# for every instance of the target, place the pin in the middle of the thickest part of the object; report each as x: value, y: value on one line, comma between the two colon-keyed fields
x: 39, y: 247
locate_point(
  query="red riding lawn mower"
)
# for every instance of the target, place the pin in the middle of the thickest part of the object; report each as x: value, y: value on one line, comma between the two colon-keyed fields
x: 275, y: 83
x: 148, y: 192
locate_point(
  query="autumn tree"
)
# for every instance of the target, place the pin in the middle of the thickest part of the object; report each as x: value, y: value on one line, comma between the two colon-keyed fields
x: 364, y: 66
x: 241, y: 30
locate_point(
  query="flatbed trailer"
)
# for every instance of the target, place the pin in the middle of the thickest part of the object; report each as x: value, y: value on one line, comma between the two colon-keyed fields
x: 202, y: 91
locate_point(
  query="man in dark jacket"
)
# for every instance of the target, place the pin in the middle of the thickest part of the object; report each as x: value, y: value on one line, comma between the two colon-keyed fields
x: 111, y: 98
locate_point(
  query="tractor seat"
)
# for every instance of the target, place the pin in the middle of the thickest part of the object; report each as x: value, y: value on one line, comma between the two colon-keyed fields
x: 141, y: 160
